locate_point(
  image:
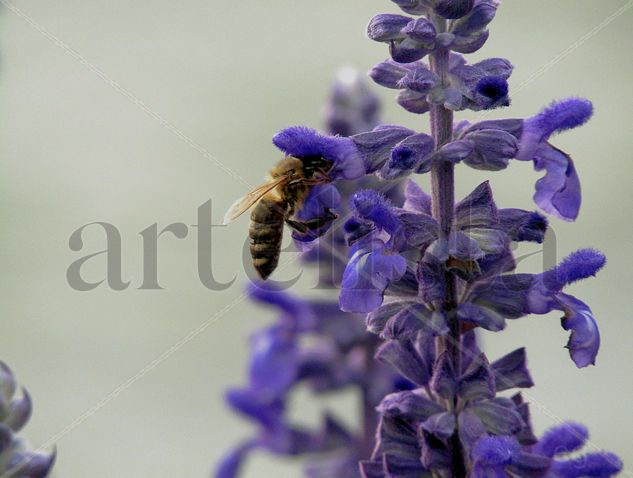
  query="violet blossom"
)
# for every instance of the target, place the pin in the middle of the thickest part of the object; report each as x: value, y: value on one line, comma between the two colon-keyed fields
x: 17, y: 459
x: 427, y: 270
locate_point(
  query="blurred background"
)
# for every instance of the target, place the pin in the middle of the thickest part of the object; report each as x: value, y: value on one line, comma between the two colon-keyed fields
x: 115, y: 111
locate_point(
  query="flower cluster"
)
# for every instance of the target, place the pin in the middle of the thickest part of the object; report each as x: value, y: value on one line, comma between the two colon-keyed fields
x: 403, y: 247
x: 427, y: 271
x: 339, y: 356
x: 17, y: 460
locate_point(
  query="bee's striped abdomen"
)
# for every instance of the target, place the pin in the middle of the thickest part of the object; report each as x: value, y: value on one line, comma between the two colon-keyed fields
x: 266, y: 232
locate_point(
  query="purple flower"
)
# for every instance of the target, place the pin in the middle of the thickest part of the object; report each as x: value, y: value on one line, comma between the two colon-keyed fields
x: 16, y: 457
x: 480, y: 86
x: 372, y: 267
x: 558, y: 192
x: 409, y: 39
x: 427, y: 272
x: 281, y: 360
x: 302, y: 142
x: 498, y: 455
x: 352, y: 107
x: 375, y: 261
x: 545, y: 295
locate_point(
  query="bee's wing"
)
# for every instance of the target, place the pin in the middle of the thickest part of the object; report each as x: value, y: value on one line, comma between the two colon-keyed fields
x: 243, y: 204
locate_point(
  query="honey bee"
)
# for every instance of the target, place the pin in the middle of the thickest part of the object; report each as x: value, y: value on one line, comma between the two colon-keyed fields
x: 275, y: 202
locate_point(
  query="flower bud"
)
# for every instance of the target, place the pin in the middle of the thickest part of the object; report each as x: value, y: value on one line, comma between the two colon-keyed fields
x: 453, y: 9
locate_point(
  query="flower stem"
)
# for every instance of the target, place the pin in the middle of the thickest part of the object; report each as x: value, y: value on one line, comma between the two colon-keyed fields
x: 443, y: 192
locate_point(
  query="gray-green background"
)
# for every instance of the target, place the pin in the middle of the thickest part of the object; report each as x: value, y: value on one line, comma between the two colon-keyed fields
x: 86, y: 90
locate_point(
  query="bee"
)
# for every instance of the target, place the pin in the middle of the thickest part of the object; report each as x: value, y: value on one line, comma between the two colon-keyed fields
x: 275, y: 202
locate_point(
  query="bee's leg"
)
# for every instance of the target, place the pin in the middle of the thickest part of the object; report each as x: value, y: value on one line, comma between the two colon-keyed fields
x: 312, y: 224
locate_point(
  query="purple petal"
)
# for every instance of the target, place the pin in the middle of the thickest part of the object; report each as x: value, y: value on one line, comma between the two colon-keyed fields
x: 595, y: 465
x: 389, y: 73
x: 471, y: 43
x: 262, y: 407
x: 386, y: 27
x: 230, y: 465
x: 422, y: 31
x: 31, y: 464
x: 558, y: 192
x: 414, y: 7
x: 495, y: 451
x: 453, y: 9
x: 582, y: 264
x: 295, y: 310
x: 318, y: 205
x: 479, y: 17
x: 492, y: 92
x: 302, y: 142
x: 366, y: 277
x: 584, y: 341
x: 556, y: 118
x: 19, y: 412
x: 530, y: 465
x: 352, y: 107
x: 499, y: 67
x: 273, y: 366
x: 407, y: 50
x: 413, y: 102
x: 419, y: 79
x: 562, y: 439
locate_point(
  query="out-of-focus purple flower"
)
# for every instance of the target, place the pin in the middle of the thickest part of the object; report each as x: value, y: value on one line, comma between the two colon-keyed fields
x: 352, y: 108
x: 17, y: 460
x: 312, y: 343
